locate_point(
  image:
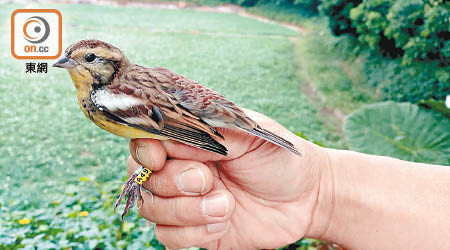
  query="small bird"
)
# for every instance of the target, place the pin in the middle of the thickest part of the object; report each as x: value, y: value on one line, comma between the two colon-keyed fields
x: 133, y: 101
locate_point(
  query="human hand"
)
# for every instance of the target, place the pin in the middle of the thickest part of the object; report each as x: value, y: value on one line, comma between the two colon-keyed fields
x: 260, y: 196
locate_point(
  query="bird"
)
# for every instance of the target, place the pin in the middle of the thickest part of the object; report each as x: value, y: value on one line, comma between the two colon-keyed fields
x: 134, y: 101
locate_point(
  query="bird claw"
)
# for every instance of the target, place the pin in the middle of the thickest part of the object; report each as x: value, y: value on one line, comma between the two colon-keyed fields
x: 132, y: 189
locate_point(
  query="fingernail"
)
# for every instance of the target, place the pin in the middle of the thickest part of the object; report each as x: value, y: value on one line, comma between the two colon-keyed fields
x: 191, y: 181
x: 218, y: 227
x: 215, y: 205
x: 144, y: 156
x: 146, y: 191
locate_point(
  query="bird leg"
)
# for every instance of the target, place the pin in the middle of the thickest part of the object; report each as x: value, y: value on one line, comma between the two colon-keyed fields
x: 133, y: 188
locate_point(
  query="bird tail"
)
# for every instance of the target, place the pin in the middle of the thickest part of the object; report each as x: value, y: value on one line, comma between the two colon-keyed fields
x: 273, y: 138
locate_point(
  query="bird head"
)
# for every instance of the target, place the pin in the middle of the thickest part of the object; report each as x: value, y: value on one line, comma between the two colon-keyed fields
x: 92, y: 62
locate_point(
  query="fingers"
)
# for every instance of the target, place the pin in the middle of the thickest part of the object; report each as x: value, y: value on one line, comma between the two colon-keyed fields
x: 215, y: 207
x: 148, y: 153
x: 183, y: 237
x: 173, y: 187
x: 177, y: 178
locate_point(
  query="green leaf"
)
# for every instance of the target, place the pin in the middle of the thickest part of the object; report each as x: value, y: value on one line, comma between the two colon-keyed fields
x: 400, y: 130
x: 436, y: 105
x: 300, y: 134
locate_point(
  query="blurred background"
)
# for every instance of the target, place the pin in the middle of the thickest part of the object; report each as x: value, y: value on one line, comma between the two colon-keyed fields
x: 370, y: 76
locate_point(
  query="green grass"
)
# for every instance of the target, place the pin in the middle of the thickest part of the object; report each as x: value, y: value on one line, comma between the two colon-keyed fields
x: 324, y: 63
x: 46, y: 143
x: 285, y: 13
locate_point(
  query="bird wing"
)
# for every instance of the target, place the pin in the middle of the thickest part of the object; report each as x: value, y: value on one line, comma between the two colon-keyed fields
x: 203, y: 102
x: 212, y: 107
x: 142, y: 106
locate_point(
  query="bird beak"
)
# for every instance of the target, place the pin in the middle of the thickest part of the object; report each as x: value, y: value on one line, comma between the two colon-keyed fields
x: 65, y: 62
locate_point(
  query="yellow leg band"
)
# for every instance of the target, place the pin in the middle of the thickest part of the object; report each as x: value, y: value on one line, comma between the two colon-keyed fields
x: 143, y: 175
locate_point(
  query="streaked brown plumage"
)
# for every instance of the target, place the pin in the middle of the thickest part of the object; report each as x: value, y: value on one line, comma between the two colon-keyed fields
x: 138, y: 102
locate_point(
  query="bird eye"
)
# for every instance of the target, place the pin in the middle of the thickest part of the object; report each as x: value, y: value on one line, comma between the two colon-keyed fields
x: 89, y: 57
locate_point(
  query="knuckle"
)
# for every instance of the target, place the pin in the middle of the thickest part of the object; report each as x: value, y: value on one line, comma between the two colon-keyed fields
x: 151, y: 184
x: 131, y: 165
x: 177, y: 212
x: 161, y: 234
x: 130, y: 161
x: 195, y: 164
x: 157, y: 183
x: 180, y: 236
x: 171, y: 237
x: 148, y: 211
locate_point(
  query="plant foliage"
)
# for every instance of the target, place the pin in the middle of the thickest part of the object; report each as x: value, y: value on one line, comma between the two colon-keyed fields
x: 438, y: 106
x: 411, y: 83
x: 413, y: 32
x: 400, y: 130
x: 85, y: 219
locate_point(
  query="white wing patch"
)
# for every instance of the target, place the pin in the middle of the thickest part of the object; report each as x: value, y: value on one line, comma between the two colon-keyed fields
x: 112, y: 101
